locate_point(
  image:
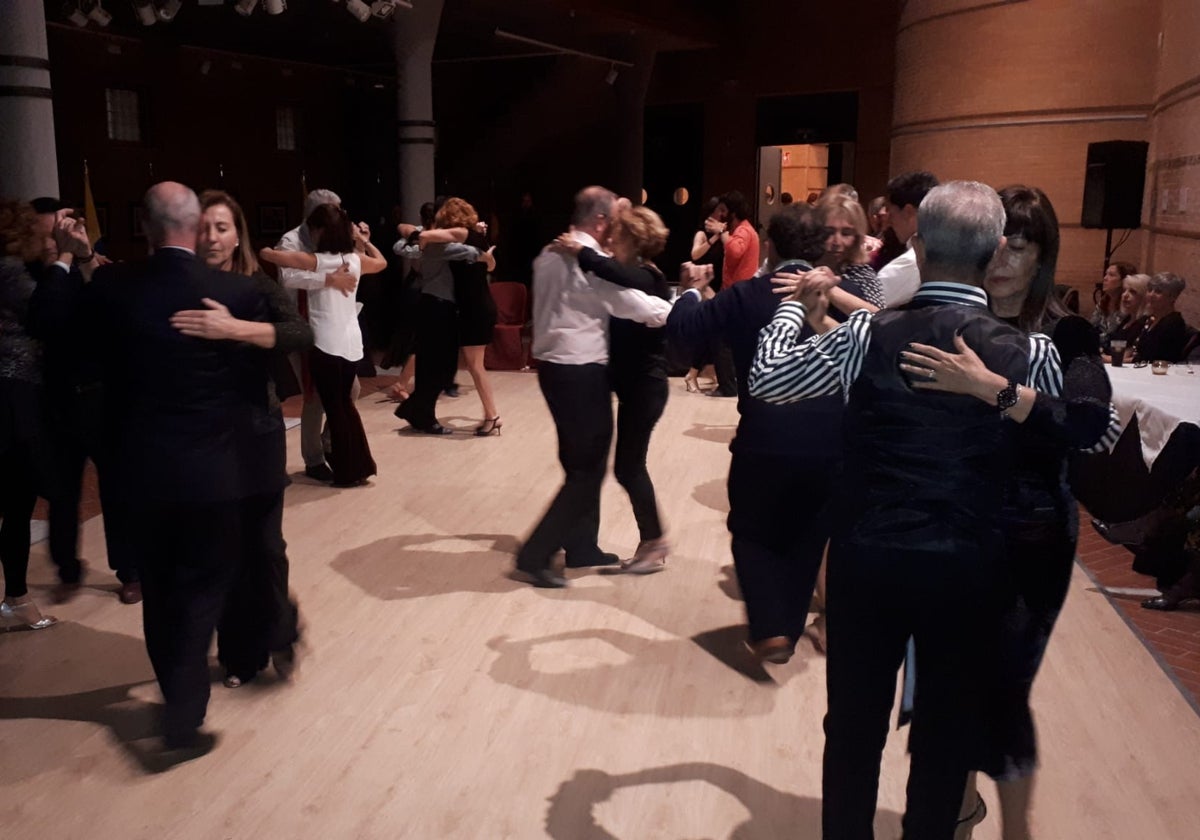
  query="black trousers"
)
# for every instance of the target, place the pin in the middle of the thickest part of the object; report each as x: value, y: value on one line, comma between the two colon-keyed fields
x: 950, y: 604
x: 437, y: 352
x: 189, y: 557
x: 1040, y: 557
x: 722, y: 359
x: 259, y: 616
x: 76, y: 425
x: 641, y: 403
x: 580, y: 403
x: 349, y: 453
x: 26, y: 471
x: 779, y: 525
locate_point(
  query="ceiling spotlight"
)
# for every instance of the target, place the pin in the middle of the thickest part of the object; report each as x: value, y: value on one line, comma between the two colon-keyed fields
x: 245, y: 7
x: 167, y: 9
x: 275, y: 7
x: 75, y: 14
x: 205, y: 67
x: 99, y: 15
x: 383, y: 9
x: 611, y: 76
x: 146, y: 14
x: 360, y: 10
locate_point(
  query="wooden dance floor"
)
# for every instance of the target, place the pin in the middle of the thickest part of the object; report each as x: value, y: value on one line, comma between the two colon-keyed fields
x: 439, y: 699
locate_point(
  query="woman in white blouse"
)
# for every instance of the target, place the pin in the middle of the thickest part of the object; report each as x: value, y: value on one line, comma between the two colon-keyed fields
x: 338, y: 344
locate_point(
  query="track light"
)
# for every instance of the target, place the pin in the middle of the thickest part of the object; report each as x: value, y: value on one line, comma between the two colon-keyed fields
x: 360, y: 10
x: 275, y: 7
x: 167, y: 9
x: 611, y: 76
x: 383, y: 9
x: 145, y: 12
x: 99, y: 15
x: 245, y: 7
x: 75, y: 14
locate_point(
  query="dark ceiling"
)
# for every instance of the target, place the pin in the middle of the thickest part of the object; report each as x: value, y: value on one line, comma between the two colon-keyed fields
x: 322, y: 32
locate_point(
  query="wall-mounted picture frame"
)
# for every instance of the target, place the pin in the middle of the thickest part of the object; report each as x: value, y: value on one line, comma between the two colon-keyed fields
x: 272, y: 220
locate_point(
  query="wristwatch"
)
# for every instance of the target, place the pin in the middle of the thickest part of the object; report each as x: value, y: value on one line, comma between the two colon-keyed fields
x: 1007, y: 398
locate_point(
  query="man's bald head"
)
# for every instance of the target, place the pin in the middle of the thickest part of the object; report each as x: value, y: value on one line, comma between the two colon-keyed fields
x: 593, y: 211
x: 172, y: 215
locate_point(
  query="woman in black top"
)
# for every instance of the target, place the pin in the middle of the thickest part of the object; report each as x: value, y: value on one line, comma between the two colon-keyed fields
x: 1165, y: 334
x: 1040, y: 515
x: 476, y: 322
x: 637, y: 365
x: 260, y: 620
x: 707, y: 249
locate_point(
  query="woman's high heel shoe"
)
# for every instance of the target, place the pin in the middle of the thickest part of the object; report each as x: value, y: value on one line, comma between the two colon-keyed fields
x: 692, y: 384
x: 23, y: 616
x: 490, y: 426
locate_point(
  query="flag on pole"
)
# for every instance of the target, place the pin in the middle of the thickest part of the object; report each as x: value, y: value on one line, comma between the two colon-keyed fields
x: 91, y: 220
x: 303, y: 187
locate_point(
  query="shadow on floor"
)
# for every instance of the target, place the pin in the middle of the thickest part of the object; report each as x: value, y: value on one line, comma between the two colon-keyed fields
x: 713, y: 495
x: 773, y: 813
x: 92, y: 674
x: 626, y: 674
x: 413, y: 566
x: 715, y: 434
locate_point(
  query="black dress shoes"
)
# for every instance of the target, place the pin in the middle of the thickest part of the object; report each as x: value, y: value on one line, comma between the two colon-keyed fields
x: 544, y: 578
x: 178, y: 750
x: 434, y: 428
x: 1171, y: 600
x: 605, y: 558
x: 320, y: 472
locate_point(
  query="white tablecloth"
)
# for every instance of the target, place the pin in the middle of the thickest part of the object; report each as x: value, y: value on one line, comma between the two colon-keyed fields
x: 1160, y: 403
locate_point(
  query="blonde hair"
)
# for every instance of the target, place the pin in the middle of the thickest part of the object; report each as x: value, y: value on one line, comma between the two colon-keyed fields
x: 644, y: 228
x: 456, y: 213
x: 839, y: 205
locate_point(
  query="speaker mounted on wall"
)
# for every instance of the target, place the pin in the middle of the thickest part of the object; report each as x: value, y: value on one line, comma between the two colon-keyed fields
x: 1113, y: 185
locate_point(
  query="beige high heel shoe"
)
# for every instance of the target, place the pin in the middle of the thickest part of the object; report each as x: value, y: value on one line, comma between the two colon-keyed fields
x: 650, y: 557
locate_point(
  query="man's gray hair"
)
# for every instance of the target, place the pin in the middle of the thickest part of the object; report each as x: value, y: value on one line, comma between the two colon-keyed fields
x: 171, y: 209
x: 961, y: 224
x: 1172, y: 285
x: 591, y: 202
x: 316, y: 198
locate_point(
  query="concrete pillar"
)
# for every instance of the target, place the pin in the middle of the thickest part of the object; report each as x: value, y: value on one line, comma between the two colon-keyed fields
x: 28, y: 160
x: 415, y: 36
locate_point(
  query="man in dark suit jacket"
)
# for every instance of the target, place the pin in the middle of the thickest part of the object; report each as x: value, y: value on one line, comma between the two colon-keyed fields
x: 176, y: 410
x: 777, y: 497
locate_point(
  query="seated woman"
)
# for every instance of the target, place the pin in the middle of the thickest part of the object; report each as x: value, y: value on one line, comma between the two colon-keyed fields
x: 338, y: 342
x: 1165, y: 333
x: 1106, y: 317
x: 1132, y: 303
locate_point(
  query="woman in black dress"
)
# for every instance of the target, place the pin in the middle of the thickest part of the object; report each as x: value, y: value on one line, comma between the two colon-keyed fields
x: 1165, y: 334
x: 637, y: 365
x: 260, y: 620
x: 1041, y: 515
x: 476, y: 320
x: 707, y: 249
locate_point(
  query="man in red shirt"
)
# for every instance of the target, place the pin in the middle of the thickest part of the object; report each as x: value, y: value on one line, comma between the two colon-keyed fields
x: 740, y: 239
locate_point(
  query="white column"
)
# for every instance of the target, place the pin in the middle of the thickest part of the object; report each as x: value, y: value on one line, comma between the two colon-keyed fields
x: 28, y: 160
x: 416, y: 34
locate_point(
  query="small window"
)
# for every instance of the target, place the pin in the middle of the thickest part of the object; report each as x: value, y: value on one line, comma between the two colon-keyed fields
x: 124, y: 115
x: 285, y: 128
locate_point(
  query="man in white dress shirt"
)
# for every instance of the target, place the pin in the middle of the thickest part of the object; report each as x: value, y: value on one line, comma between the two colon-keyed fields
x: 900, y: 278
x: 570, y: 342
x: 312, y: 445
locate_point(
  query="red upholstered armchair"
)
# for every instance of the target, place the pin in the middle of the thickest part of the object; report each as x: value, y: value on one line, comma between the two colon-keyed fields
x: 507, y: 350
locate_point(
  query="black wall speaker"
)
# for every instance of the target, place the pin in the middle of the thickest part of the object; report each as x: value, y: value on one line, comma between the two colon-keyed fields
x: 1113, y: 184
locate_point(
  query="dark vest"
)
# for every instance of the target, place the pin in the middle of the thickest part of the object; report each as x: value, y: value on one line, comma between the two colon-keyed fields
x: 926, y: 470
